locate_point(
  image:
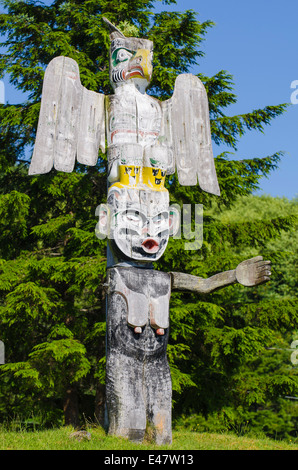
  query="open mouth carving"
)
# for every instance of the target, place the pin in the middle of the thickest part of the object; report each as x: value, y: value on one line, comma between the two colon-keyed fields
x: 150, y: 245
x: 134, y: 71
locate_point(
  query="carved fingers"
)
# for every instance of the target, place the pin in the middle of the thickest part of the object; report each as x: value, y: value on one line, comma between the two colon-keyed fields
x: 253, y: 271
x: 263, y: 271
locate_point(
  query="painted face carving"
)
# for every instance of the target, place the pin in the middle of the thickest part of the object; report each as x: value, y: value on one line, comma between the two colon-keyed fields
x: 140, y: 223
x: 131, y: 59
x: 139, y: 236
x: 154, y: 178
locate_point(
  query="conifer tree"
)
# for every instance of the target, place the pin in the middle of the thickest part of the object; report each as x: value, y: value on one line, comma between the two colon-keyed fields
x: 52, y: 267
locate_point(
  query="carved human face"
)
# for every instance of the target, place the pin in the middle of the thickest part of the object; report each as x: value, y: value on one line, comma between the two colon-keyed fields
x: 131, y: 60
x: 140, y: 236
x: 139, y: 223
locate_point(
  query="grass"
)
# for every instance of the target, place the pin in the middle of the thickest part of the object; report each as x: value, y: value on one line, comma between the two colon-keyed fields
x: 59, y: 439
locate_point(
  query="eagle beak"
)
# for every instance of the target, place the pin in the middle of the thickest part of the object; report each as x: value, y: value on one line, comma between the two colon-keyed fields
x: 140, y: 65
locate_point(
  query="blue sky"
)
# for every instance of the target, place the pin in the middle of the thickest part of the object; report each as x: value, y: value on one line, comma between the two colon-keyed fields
x: 257, y: 43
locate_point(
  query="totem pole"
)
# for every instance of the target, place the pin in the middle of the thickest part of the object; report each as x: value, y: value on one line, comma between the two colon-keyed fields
x: 146, y: 140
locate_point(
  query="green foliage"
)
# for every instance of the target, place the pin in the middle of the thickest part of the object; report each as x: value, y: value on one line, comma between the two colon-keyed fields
x: 241, y: 353
x: 229, y: 351
x: 18, y: 435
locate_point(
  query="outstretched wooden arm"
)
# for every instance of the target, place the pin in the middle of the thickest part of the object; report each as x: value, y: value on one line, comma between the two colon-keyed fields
x: 188, y: 282
x: 250, y: 272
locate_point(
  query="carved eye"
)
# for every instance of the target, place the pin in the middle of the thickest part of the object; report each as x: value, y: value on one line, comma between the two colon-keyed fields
x: 123, y: 55
x: 133, y: 218
x: 160, y: 218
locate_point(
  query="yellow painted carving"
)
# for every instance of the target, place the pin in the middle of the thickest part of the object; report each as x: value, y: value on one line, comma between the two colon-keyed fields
x: 129, y: 176
x: 132, y: 176
x: 154, y: 178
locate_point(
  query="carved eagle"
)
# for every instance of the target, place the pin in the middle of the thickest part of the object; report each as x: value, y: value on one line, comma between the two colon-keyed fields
x: 74, y: 122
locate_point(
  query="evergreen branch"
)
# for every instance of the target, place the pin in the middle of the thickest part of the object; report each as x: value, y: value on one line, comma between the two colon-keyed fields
x: 252, y: 233
x: 227, y: 129
x: 241, y: 177
x: 219, y: 90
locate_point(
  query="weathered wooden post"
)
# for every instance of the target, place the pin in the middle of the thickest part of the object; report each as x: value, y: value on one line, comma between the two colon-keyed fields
x: 146, y: 139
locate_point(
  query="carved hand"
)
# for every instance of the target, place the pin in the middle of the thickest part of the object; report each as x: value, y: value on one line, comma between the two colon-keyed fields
x: 254, y: 271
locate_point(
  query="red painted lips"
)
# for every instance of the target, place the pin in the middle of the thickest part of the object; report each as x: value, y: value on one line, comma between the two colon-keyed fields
x: 150, y: 245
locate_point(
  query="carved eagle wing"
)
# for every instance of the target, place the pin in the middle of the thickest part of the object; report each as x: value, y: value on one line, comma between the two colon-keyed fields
x: 71, y: 121
x: 191, y: 135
